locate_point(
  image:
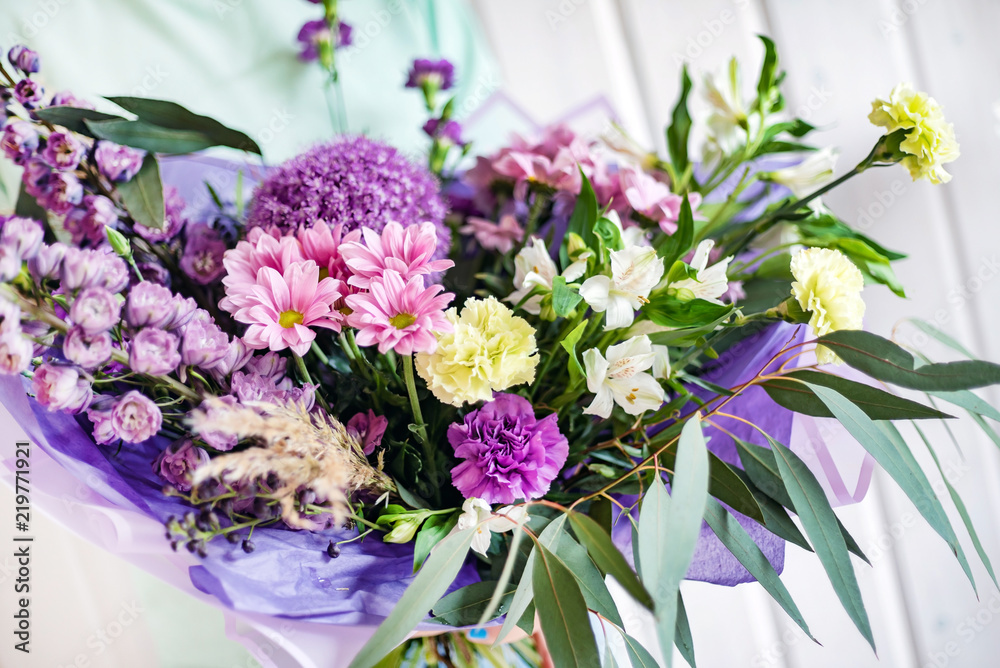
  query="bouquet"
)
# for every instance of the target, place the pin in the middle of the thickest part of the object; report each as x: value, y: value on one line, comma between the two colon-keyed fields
x: 466, y: 392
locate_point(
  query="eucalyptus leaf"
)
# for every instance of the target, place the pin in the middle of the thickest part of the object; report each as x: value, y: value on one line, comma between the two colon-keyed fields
x: 172, y: 115
x: 549, y: 537
x: 463, y: 607
x: 430, y: 584
x: 72, y: 118
x: 590, y: 580
x: 152, y: 138
x: 683, y: 639
x: 639, y: 655
x: 821, y: 526
x: 563, y: 613
x: 604, y: 553
x: 142, y: 195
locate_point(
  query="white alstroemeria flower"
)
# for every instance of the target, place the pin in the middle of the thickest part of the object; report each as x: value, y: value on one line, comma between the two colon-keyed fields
x: 810, y: 174
x: 533, y: 267
x: 621, y: 379
x: 661, y: 362
x: 710, y: 283
x: 635, y: 271
x: 633, y: 235
x: 477, y: 513
x: 727, y: 121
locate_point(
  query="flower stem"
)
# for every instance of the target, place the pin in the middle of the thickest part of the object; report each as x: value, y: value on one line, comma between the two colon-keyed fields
x: 300, y: 364
x: 418, y: 419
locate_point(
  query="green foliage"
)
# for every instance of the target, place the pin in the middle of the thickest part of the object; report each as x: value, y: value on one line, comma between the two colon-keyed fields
x: 143, y: 195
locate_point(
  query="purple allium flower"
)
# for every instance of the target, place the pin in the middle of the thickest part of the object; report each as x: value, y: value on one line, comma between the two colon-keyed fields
x: 63, y: 151
x: 154, y: 352
x: 23, y: 59
x: 19, y: 141
x: 61, y: 388
x: 87, y: 223
x: 203, y: 343
x: 368, y: 429
x: 224, y: 441
x: 28, y: 92
x: 509, y: 455
x: 202, y: 258
x: 135, y: 418
x: 450, y: 132
x: 174, y: 221
x: 16, y: 351
x: 104, y: 430
x: 436, y: 74
x: 117, y: 163
x: 176, y: 464
x: 61, y: 191
x: 356, y: 181
x: 95, y: 310
x: 65, y: 98
x: 23, y: 236
x: 47, y: 261
x: 149, y: 305
x: 87, y: 350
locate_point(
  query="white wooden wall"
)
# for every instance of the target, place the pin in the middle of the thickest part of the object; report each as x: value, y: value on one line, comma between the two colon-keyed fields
x: 839, y: 55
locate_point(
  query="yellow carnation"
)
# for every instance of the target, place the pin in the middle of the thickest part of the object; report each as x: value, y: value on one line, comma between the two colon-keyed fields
x: 489, y: 349
x: 930, y: 140
x: 828, y: 285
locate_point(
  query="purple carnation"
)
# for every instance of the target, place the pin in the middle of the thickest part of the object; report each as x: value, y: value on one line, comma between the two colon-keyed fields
x: 15, y: 351
x: 104, y: 430
x: 176, y: 464
x: 95, y: 310
x: 117, y: 163
x: 135, y: 418
x: 449, y: 132
x: 63, y: 151
x: 19, y: 141
x: 87, y: 223
x: 154, y: 352
x: 355, y: 181
x: 85, y: 268
x: 438, y: 74
x: 149, y: 304
x: 23, y: 236
x: 202, y: 258
x: 23, y: 59
x: 203, y: 344
x: 28, y: 92
x: 61, y: 388
x: 89, y: 351
x: 47, y: 261
x: 60, y: 192
x: 509, y: 455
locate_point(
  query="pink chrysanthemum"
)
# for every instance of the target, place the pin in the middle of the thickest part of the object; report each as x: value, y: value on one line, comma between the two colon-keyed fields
x: 400, y: 316
x: 281, y: 308
x: 259, y: 250
x: 322, y: 243
x: 406, y: 251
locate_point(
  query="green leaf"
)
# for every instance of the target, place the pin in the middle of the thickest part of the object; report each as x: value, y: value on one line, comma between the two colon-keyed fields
x: 680, y: 127
x: 669, y: 526
x: 668, y: 311
x: 590, y: 580
x: 742, y: 546
x: 962, y: 510
x: 884, y: 360
x: 604, y: 553
x: 821, y: 526
x: 563, y: 613
x: 638, y: 655
x: 549, y: 537
x: 584, y: 213
x: 564, y: 300
x: 72, y: 118
x: 970, y: 402
x: 683, y: 639
x: 152, y: 138
x: 936, y: 333
x: 143, y: 195
x: 724, y: 484
x: 465, y: 606
x: 172, y: 115
x: 877, y: 404
x: 28, y: 207
x: 427, y: 588
x: 609, y: 234
x: 576, y: 370
x: 430, y: 534
x: 768, y: 75
x: 679, y: 243
x: 887, y: 446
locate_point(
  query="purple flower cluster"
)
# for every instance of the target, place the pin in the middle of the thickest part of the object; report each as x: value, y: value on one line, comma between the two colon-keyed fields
x: 117, y: 163
x: 358, y: 182
x: 508, y: 454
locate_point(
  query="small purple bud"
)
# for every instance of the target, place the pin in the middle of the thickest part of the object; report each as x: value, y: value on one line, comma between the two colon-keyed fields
x: 23, y: 59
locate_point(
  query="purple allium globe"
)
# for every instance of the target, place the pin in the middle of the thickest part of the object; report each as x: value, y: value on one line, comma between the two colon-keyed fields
x: 509, y: 455
x: 356, y: 181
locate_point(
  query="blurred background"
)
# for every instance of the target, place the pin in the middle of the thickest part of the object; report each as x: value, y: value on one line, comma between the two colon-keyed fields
x: 524, y: 61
